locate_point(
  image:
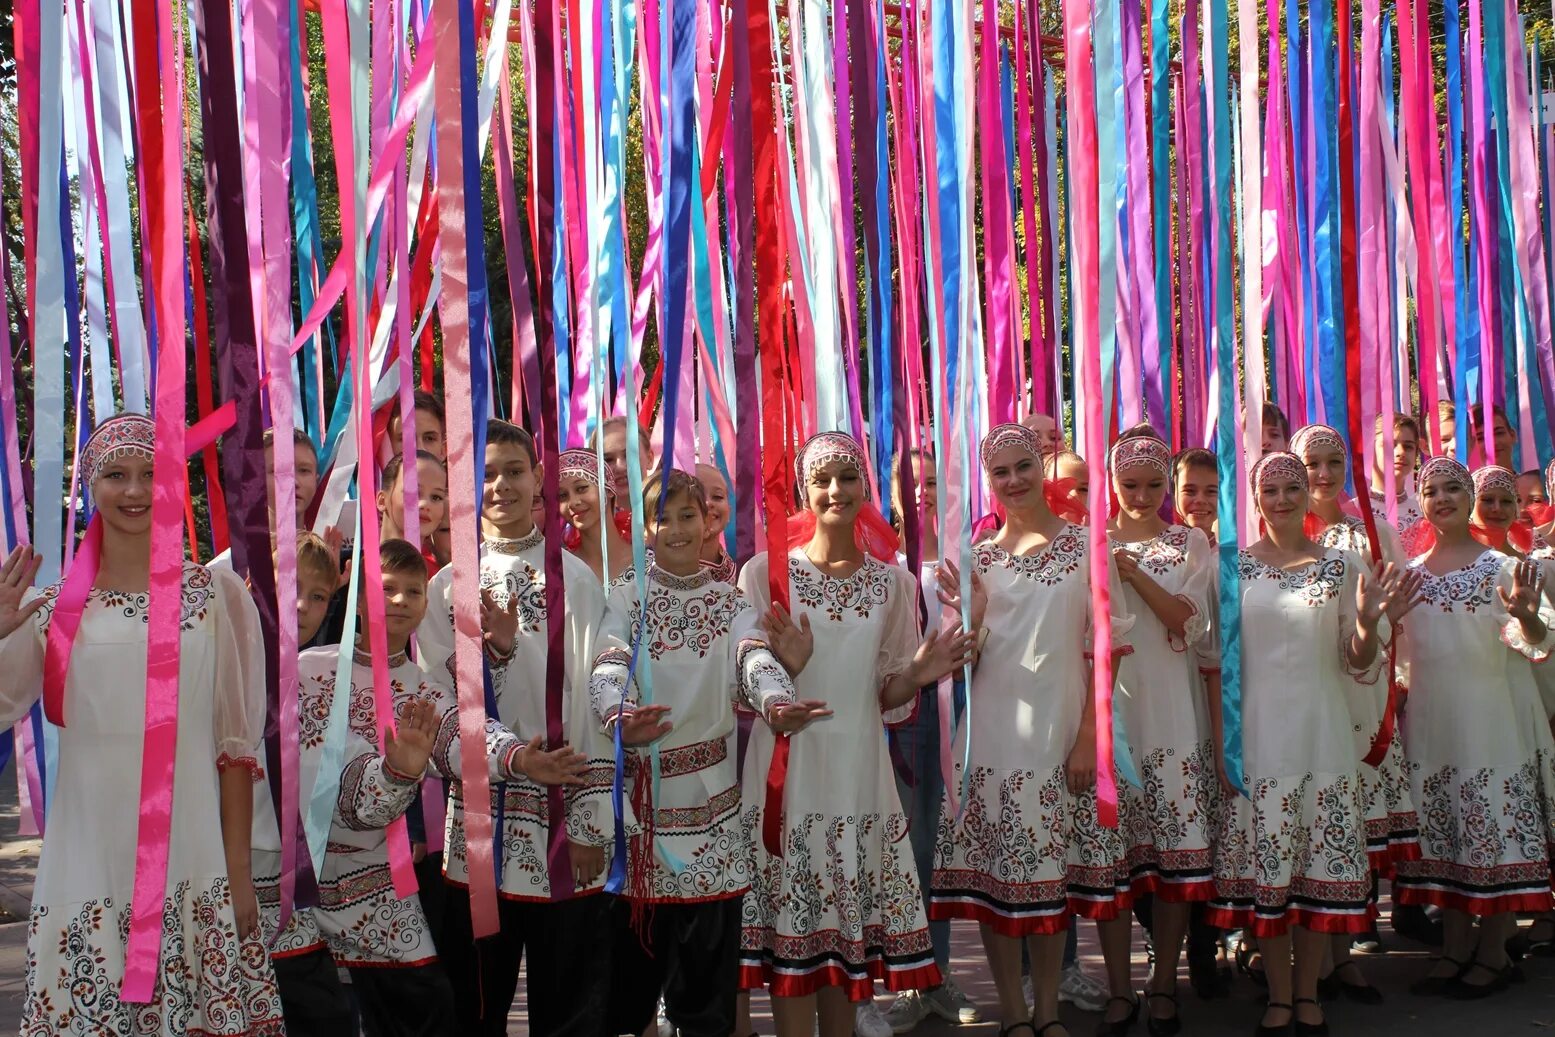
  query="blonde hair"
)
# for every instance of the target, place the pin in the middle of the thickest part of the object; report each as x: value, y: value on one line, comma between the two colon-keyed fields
x: 315, y: 558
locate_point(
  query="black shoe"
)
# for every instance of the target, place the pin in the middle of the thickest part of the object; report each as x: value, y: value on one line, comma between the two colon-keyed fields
x: 1167, y: 1027
x: 1282, y: 1030
x: 1462, y: 990
x: 1538, y: 939
x: 1309, y: 1029
x: 1411, y: 922
x: 1245, y: 954
x: 1438, y: 986
x: 1119, y: 1027
x: 1360, y: 993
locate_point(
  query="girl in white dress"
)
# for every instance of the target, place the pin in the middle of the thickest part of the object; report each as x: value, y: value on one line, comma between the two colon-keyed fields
x: 214, y: 976
x: 840, y: 906
x: 1497, y: 515
x: 1391, y: 827
x: 1481, y: 762
x: 1292, y: 860
x: 587, y: 503
x: 1026, y: 850
x: 1168, y: 573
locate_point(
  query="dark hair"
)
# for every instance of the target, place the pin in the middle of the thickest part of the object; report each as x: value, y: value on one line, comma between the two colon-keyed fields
x: 401, y: 556
x: 1143, y: 430
x: 665, y: 488
x: 299, y: 439
x: 1272, y: 415
x: 1477, y: 416
x: 391, y: 470
x: 505, y: 433
x: 428, y: 402
x: 1532, y: 473
x: 1195, y: 457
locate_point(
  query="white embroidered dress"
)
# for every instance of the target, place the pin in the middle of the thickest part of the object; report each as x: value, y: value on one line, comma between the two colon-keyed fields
x: 1392, y: 829
x: 1171, y: 816
x: 842, y: 905
x: 1414, y: 533
x: 211, y: 983
x: 1481, y: 762
x: 1025, y: 854
x: 515, y: 570
x: 704, y: 651
x: 1295, y: 852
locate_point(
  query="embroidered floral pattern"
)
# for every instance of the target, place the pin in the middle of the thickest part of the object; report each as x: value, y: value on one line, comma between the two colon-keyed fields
x: 209, y: 982
x: 192, y: 611
x: 1469, y: 589
x: 696, y: 618
x: 1314, y: 584
x: 860, y: 593
x: 1063, y: 555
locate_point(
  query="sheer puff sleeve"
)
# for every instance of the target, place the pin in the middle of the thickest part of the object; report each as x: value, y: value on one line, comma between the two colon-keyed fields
x: 21, y: 661
x: 899, y: 639
x: 1354, y: 566
x: 240, y: 675
x: 1122, y: 620
x: 1197, y: 586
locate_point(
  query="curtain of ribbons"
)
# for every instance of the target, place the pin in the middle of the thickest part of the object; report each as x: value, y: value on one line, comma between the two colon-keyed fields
x: 741, y: 223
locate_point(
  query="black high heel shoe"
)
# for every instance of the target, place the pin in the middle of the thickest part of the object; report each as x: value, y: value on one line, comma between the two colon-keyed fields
x: 1360, y: 993
x: 1309, y: 1029
x: 1282, y: 1030
x: 1167, y: 1027
x: 1119, y: 1027
x: 1460, y: 989
x: 1438, y: 986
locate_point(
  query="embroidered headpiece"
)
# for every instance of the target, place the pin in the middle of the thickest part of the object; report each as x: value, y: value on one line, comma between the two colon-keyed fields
x: 1444, y: 465
x: 1494, y: 477
x: 824, y: 448
x: 1005, y: 435
x: 1549, y: 479
x: 584, y: 464
x: 1278, y: 464
x: 122, y: 435
x: 1141, y: 450
x: 1309, y: 436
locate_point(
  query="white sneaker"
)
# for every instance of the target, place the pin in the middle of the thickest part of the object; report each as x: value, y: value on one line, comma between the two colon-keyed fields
x: 908, y: 1010
x: 868, y: 1022
x: 1081, y: 990
x: 666, y: 1028
x: 949, y: 1003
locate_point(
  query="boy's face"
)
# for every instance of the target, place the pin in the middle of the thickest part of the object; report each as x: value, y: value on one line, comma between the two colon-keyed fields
x: 313, y: 593
x: 305, y: 468
x: 509, y: 491
x: 677, y: 537
x: 429, y: 435
x: 1274, y: 437
x: 1406, y: 454
x: 404, y: 606
x: 1198, y: 496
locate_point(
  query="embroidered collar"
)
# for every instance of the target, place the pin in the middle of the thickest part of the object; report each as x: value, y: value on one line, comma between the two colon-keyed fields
x: 396, y: 660
x: 664, y: 578
x: 498, y: 545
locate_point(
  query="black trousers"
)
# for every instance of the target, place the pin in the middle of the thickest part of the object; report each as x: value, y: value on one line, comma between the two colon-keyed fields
x: 434, y: 891
x: 568, y: 945
x: 314, y: 1002
x: 414, y: 1001
x: 688, y: 952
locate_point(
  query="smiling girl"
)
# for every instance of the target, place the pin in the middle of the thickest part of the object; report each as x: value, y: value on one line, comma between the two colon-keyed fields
x: 587, y: 504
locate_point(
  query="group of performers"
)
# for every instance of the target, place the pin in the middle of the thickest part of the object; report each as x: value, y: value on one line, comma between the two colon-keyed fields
x: 790, y: 820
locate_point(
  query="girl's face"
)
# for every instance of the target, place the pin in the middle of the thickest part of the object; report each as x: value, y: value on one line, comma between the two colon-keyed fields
x: 431, y: 488
x: 1496, y: 508
x: 717, y: 491
x: 1141, y: 489
x: 1015, y: 477
x: 1198, y: 496
x: 1530, y: 494
x: 579, y: 502
x: 835, y: 492
x: 1069, y: 467
x: 678, y: 535
x: 1325, y: 471
x: 1282, y: 501
x: 1447, y: 501
x: 122, y: 493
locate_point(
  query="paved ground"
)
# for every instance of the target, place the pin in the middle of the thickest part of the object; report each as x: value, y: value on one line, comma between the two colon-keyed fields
x: 1526, y: 1009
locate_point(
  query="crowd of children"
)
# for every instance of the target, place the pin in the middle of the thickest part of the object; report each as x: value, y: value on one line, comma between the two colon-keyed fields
x: 809, y: 793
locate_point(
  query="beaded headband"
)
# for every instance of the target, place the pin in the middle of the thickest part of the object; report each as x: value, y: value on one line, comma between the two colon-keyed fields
x: 1006, y: 435
x: 1141, y: 450
x: 1494, y: 477
x: 824, y: 448
x: 1549, y: 478
x: 1444, y: 465
x: 1277, y: 465
x: 583, y: 464
x: 123, y: 435
x: 1309, y: 436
